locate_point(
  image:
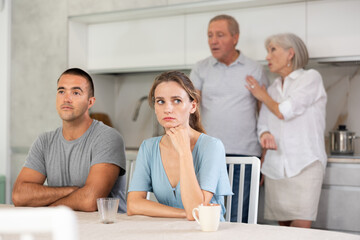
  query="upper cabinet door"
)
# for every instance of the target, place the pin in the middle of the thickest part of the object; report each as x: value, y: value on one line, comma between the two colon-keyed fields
x: 196, y: 47
x: 256, y: 24
x: 333, y: 28
x: 139, y: 43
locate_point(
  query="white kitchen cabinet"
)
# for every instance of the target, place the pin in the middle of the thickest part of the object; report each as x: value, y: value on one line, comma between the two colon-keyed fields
x: 339, y: 206
x: 333, y: 28
x: 175, y: 37
x: 196, y: 44
x: 145, y: 43
x: 77, y: 50
x: 256, y: 24
x: 339, y: 210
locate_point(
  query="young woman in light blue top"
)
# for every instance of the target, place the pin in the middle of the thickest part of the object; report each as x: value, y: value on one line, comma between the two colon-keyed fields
x: 185, y: 167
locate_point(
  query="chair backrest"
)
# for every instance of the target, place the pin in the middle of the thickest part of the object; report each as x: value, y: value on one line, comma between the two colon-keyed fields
x: 254, y: 187
x: 130, y: 165
x: 58, y: 222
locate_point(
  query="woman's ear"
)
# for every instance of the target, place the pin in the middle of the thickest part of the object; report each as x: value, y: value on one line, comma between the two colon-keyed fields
x: 291, y: 54
x: 193, y: 107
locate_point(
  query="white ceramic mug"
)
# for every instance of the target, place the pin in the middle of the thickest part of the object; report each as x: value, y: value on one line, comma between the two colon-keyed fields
x: 209, y: 216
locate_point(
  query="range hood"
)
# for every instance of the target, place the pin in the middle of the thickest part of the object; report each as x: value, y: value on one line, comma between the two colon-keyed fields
x: 337, y: 61
x: 334, y: 61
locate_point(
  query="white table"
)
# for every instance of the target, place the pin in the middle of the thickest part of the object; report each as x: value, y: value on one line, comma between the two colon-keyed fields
x: 141, y: 227
x: 148, y: 228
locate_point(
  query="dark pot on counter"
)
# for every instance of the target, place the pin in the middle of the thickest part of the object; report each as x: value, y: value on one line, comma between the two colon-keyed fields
x: 342, y: 141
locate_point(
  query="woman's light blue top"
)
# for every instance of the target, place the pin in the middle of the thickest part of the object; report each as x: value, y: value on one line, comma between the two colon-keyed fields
x: 209, y: 164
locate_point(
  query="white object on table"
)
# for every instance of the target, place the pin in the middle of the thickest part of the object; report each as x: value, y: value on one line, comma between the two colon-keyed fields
x: 59, y: 222
x: 209, y: 216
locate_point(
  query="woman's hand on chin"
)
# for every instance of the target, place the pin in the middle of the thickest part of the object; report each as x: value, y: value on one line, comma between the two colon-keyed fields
x: 180, y: 138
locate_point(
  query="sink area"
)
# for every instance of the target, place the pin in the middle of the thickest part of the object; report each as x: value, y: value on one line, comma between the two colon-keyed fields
x: 131, y: 149
x: 131, y: 153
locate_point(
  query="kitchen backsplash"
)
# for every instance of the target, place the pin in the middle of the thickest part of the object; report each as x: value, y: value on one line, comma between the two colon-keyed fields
x: 342, y: 86
x: 118, y: 96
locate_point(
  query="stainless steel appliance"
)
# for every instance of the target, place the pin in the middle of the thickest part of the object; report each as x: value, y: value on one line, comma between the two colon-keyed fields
x: 342, y: 141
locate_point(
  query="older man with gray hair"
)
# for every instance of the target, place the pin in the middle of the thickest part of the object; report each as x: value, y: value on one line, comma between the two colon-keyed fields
x: 229, y: 111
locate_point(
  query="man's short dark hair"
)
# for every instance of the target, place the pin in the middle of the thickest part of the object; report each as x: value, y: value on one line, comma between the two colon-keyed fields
x: 81, y: 73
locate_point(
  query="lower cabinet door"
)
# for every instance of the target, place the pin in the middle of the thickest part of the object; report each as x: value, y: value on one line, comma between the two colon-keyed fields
x: 339, y: 208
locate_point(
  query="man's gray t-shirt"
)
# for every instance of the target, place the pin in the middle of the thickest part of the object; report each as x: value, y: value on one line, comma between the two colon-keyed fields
x: 228, y: 109
x: 67, y: 163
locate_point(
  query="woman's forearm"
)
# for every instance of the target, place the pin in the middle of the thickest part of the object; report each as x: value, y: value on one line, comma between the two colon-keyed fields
x: 191, y: 194
x: 273, y: 106
x: 261, y: 94
x: 141, y: 206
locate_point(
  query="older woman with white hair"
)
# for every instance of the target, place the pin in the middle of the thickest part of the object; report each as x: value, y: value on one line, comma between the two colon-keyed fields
x: 291, y: 128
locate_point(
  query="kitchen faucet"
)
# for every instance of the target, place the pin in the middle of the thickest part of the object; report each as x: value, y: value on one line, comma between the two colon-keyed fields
x: 138, y: 105
x: 156, y: 127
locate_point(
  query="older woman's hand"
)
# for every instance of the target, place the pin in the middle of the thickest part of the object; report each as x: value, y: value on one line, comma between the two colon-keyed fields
x: 267, y: 141
x: 259, y: 92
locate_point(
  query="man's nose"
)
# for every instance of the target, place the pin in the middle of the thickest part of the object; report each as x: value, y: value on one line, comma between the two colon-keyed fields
x: 67, y: 97
x: 213, y: 40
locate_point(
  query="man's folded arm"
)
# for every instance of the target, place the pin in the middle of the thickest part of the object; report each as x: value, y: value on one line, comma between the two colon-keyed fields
x: 100, y: 181
x: 29, y: 190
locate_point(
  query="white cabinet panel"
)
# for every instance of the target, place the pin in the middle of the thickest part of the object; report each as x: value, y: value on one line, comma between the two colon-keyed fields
x: 77, y: 50
x: 196, y: 47
x: 334, y: 28
x: 342, y: 174
x: 339, y: 209
x: 256, y: 24
x: 137, y: 43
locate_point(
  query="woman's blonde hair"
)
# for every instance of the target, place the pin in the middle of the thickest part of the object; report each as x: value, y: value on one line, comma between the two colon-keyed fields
x: 187, y: 85
x: 290, y: 40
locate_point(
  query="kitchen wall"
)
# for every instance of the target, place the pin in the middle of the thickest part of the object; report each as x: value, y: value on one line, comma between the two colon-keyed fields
x: 39, y: 55
x: 342, y: 84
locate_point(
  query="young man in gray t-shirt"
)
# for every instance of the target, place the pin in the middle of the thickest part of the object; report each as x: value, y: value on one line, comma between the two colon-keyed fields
x: 83, y: 160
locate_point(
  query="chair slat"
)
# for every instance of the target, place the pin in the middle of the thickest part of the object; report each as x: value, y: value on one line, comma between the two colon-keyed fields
x: 229, y: 198
x: 254, y: 187
x: 241, y: 192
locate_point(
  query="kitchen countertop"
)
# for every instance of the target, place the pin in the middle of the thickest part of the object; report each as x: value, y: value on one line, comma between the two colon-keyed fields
x: 131, y: 154
x: 344, y: 159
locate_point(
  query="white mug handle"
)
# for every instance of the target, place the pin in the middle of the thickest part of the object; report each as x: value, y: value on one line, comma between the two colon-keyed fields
x: 194, y: 214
